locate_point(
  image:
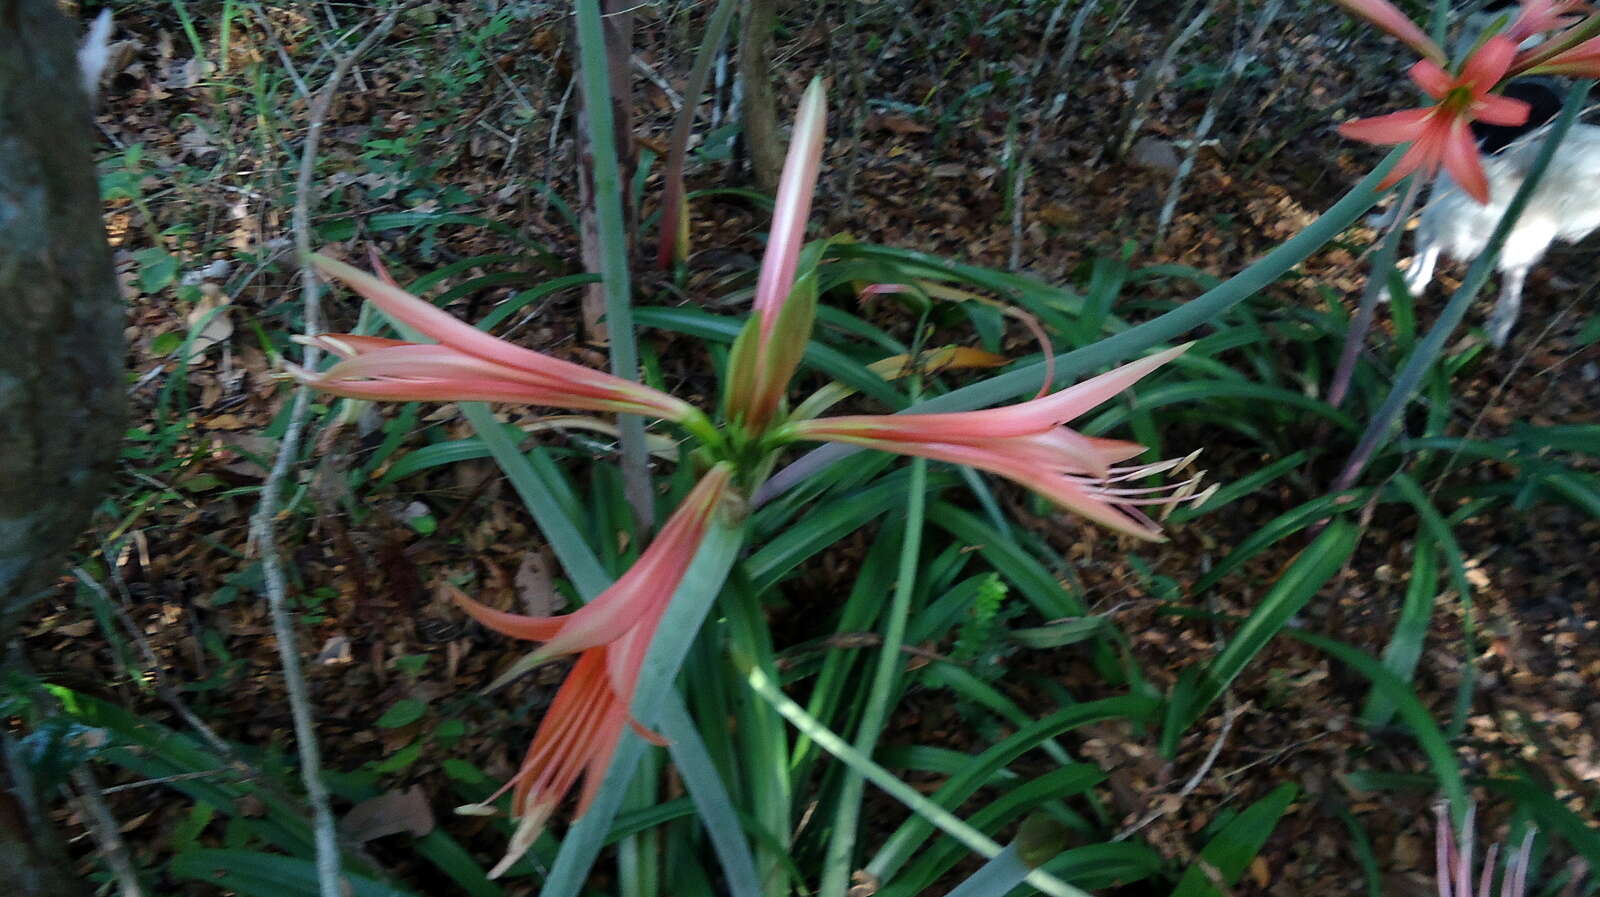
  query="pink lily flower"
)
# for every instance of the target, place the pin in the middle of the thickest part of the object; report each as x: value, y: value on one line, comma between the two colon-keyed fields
x: 465, y: 364
x: 611, y: 635
x: 1582, y: 60
x: 1453, y: 860
x: 1027, y: 443
x: 1440, y: 135
x: 1539, y: 16
x: 1388, y: 18
x: 768, y: 351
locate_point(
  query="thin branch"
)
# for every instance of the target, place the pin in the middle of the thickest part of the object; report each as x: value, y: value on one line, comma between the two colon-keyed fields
x: 107, y: 834
x: 1241, y: 57
x: 654, y: 77
x: 163, y: 690
x: 1229, y: 714
x: 1019, y: 165
x: 262, y: 525
x: 1134, y: 115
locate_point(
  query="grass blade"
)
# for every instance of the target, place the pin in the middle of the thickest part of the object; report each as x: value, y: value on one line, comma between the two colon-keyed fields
x: 1405, y: 645
x: 1302, y: 578
x: 711, y: 800
x: 906, y: 839
x: 837, y: 863
x: 1232, y: 849
x: 1410, y: 710
x: 595, y: 82
x: 934, y: 815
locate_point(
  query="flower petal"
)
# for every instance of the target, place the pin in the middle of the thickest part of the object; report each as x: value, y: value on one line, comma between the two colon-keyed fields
x: 1035, y: 416
x: 535, y: 629
x: 1435, y: 81
x: 1423, y: 156
x: 789, y: 214
x: 1389, y: 18
x: 1396, y: 127
x: 1498, y: 110
x: 1488, y: 65
x: 1461, y: 159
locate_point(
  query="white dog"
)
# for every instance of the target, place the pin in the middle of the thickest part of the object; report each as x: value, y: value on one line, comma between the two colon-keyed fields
x: 1565, y: 207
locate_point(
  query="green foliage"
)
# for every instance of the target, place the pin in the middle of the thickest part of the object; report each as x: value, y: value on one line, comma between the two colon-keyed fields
x: 770, y: 743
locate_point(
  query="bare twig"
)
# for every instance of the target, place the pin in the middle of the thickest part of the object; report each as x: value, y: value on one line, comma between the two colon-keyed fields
x: 167, y: 780
x: 1241, y: 57
x: 163, y: 690
x: 1229, y: 714
x: 107, y: 834
x: 283, y: 55
x: 1019, y: 167
x: 654, y: 77
x: 262, y: 525
x: 1133, y: 116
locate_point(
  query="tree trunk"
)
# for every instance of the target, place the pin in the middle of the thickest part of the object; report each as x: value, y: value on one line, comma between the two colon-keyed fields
x: 61, y: 385
x: 760, y: 109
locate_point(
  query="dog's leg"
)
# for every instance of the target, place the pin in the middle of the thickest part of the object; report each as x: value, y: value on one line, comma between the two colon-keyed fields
x: 1422, y: 265
x: 1504, y: 316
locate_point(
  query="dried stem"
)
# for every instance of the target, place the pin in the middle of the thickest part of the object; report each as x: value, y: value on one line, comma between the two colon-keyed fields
x: 262, y: 525
x: 1019, y: 167
x: 1377, y: 282
x: 1241, y: 57
x: 107, y: 834
x: 1177, y: 35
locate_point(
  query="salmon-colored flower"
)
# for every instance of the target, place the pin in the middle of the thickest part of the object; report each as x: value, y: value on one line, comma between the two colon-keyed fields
x: 1539, y: 16
x: 611, y: 635
x: 1389, y: 18
x: 769, y: 349
x: 1028, y: 444
x: 1582, y: 60
x: 465, y: 364
x: 1441, y: 135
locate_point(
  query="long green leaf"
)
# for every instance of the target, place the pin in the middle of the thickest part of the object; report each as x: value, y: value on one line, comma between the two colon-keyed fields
x: 838, y: 862
x: 711, y: 800
x: 1042, y: 589
x: 1410, y: 630
x: 1057, y: 784
x: 595, y: 83
x: 258, y: 874
x: 934, y: 815
x: 1307, y: 573
x: 1410, y: 710
x: 906, y: 839
x: 1230, y: 851
x: 822, y: 358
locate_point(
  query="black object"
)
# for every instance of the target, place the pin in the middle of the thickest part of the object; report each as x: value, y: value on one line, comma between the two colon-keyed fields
x: 1544, y: 101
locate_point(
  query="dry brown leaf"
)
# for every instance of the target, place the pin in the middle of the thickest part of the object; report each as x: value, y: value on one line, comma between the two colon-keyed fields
x: 535, y: 587
x: 389, y: 814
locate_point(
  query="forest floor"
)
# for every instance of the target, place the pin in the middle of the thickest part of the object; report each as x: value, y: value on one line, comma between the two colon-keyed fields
x: 465, y: 120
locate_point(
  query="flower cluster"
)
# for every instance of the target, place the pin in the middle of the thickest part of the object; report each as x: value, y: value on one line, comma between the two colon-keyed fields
x: 610, y: 635
x: 1440, y: 134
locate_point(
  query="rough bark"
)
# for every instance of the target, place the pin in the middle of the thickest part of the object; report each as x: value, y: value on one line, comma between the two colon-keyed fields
x: 60, y: 368
x: 61, y: 357
x: 760, y: 106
